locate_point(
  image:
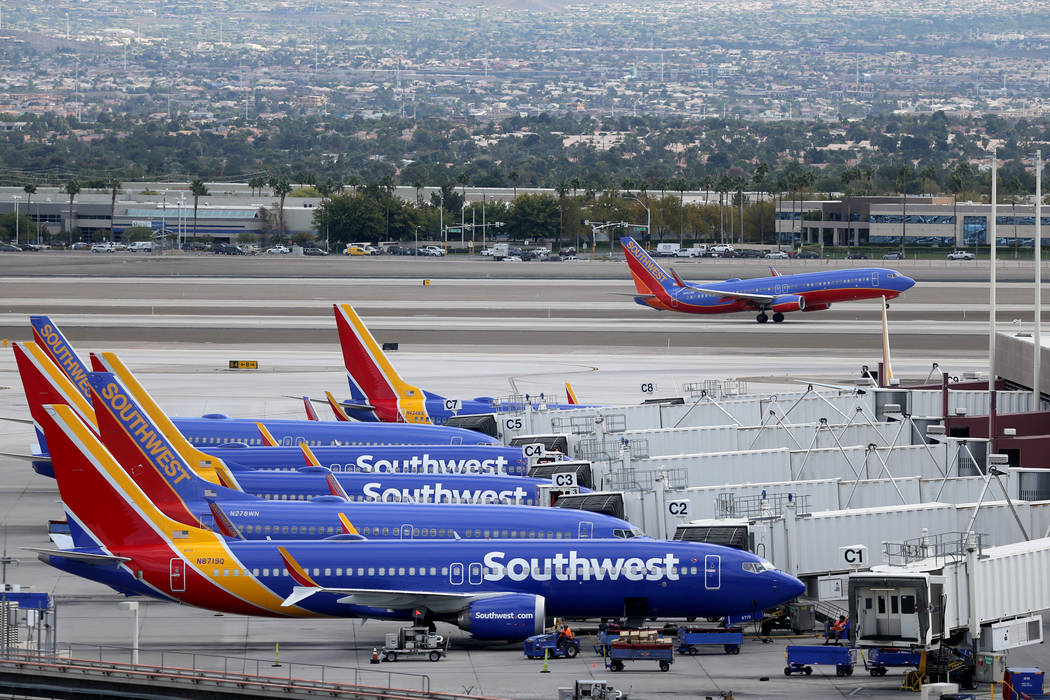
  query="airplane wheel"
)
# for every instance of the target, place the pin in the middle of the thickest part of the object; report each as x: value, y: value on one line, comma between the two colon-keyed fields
x: 778, y: 318
x: 761, y: 318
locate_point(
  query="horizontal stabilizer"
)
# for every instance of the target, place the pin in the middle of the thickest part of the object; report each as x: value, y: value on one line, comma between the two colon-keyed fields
x: 26, y: 458
x: 24, y: 421
x: 82, y: 557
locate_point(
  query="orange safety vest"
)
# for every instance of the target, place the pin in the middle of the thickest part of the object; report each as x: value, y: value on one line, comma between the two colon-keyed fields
x: 839, y: 626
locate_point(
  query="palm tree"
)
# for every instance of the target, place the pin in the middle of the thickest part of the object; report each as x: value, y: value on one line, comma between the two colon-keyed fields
x: 281, y: 187
x: 562, y: 188
x: 198, y: 190
x: 114, y: 186
x: 1012, y: 188
x: 257, y: 183
x: 681, y: 184
x: 707, y: 183
x: 30, y: 190
x: 904, y: 173
x: 72, y: 188
x: 928, y: 174
x: 514, y: 177
x: 759, y: 178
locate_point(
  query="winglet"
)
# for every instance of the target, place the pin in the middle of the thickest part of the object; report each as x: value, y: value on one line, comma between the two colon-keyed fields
x: 267, y: 437
x: 311, y: 414
x: 773, y: 271
x: 570, y: 395
x: 334, y: 487
x: 226, y: 526
x: 337, y: 409
x: 348, y: 527
x: 298, y: 595
x: 297, y: 572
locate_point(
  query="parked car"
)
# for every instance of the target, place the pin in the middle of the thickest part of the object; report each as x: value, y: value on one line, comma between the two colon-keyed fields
x: 960, y: 255
x: 694, y: 252
x: 278, y: 250
x: 398, y: 250
x: 9, y: 248
x: 721, y: 249
x: 80, y: 245
x: 433, y: 250
x: 141, y: 247
x: 566, y: 251
x: 226, y: 249
x: 748, y: 253
x: 313, y: 251
x: 103, y: 248
x: 893, y: 256
x: 856, y: 256
x: 777, y: 255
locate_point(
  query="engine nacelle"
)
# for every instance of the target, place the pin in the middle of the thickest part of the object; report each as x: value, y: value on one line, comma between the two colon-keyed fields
x: 817, y: 307
x: 788, y: 302
x: 512, y: 616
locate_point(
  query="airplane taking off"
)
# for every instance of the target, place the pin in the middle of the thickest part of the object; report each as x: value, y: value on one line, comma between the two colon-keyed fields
x: 378, y: 393
x: 495, y: 589
x: 808, y: 291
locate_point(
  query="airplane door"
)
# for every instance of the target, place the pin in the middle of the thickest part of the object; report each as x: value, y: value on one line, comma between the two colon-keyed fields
x: 177, y: 575
x: 875, y: 280
x: 586, y: 530
x: 455, y: 574
x: 406, y: 532
x: 456, y: 440
x: 474, y: 573
x: 674, y: 299
x: 712, y: 572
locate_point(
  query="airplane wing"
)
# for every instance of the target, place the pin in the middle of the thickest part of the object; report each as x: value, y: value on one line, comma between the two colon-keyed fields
x: 729, y: 294
x: 392, y: 599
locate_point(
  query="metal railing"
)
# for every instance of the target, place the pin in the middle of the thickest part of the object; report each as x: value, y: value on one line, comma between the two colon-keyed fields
x: 221, y: 668
x: 756, y: 506
x: 943, y: 547
x: 632, y: 480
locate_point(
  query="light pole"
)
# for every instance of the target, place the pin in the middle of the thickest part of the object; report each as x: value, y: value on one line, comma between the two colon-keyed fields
x: 417, y: 236
x: 648, y: 222
x: 164, y: 214
x: 441, y: 221
x: 16, y: 198
x: 463, y: 218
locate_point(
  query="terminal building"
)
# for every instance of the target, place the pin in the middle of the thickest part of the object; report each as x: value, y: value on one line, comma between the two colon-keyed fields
x: 930, y: 221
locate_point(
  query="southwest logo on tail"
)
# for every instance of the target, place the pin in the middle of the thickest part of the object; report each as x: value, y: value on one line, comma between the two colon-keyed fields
x: 779, y: 294
x: 387, y: 397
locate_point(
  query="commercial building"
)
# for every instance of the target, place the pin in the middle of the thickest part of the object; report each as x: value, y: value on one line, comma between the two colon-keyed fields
x: 933, y: 221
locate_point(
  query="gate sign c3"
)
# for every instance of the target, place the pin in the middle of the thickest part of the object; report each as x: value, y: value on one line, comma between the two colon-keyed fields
x: 564, y: 480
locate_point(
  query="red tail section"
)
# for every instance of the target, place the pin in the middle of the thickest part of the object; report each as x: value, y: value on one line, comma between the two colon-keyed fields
x: 362, y: 357
x: 44, y: 383
x: 311, y: 414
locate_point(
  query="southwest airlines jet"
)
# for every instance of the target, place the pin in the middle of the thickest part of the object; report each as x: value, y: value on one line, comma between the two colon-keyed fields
x: 495, y: 589
x: 378, y: 393
x: 217, y: 429
x: 809, y: 291
x: 46, y: 384
x: 168, y: 481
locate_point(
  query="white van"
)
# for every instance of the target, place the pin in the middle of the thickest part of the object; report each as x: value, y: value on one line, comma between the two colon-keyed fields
x: 140, y: 247
x: 694, y: 252
x: 667, y: 249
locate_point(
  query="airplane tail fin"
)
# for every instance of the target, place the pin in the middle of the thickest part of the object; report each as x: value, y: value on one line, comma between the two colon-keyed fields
x: 209, y: 468
x: 54, y: 343
x: 311, y: 414
x: 570, y: 395
x: 45, y: 383
x: 773, y: 272
x: 372, y: 378
x: 99, y: 493
x: 155, y: 465
x: 649, y: 277
x: 337, y: 409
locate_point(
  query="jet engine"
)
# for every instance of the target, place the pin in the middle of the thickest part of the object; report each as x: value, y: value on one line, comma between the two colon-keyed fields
x: 512, y: 616
x: 788, y: 302
x: 817, y: 307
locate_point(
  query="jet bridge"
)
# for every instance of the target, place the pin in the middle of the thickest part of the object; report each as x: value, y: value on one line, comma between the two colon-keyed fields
x: 950, y: 590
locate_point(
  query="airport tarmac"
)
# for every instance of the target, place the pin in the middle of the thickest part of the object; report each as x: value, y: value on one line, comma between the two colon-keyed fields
x: 459, y: 337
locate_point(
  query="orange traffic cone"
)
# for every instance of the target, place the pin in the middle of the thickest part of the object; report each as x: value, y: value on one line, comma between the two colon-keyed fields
x: 375, y: 656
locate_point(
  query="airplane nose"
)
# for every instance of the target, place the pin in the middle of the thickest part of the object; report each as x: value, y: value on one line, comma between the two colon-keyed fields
x: 908, y: 283
x: 786, y: 588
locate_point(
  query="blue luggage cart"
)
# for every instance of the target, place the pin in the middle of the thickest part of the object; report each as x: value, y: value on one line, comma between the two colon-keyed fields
x: 628, y: 651
x: 801, y: 659
x: 880, y: 660
x: 604, y: 639
x: 689, y: 638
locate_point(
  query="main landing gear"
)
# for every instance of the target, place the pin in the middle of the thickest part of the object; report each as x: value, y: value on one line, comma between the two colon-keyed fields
x: 777, y: 317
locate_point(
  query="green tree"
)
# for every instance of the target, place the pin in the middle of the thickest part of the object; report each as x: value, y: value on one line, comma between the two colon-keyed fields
x: 198, y: 190
x: 114, y: 186
x: 136, y: 233
x: 30, y: 190
x: 759, y: 179
x: 904, y: 175
x: 281, y: 187
x: 533, y: 216
x: 351, y: 217
x: 257, y: 184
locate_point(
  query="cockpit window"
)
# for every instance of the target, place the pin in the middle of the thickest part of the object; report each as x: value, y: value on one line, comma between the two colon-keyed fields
x: 627, y: 534
x: 893, y: 274
x: 757, y: 567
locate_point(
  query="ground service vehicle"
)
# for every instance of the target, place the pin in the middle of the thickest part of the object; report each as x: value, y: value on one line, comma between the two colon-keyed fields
x: 552, y: 646
x: 416, y: 640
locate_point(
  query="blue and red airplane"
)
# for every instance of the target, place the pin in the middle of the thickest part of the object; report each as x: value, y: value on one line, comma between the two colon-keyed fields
x: 166, y: 479
x: 495, y: 589
x: 780, y: 294
x: 46, y: 384
x: 217, y: 429
x: 378, y: 393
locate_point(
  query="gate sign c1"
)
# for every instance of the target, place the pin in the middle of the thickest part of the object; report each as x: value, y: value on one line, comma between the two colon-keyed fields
x: 678, y: 509
x: 533, y: 450
x: 855, y: 555
x: 564, y: 480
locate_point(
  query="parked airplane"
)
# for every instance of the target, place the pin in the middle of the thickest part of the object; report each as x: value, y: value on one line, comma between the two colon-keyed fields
x: 378, y: 393
x: 131, y: 437
x: 215, y: 429
x: 46, y: 384
x: 501, y: 589
x: 808, y: 291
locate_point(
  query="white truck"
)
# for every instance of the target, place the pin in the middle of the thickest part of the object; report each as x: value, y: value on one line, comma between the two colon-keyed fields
x: 497, y: 251
x: 695, y: 252
x: 667, y: 249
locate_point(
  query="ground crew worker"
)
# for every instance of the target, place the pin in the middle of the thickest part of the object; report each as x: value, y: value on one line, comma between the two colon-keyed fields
x: 838, y: 628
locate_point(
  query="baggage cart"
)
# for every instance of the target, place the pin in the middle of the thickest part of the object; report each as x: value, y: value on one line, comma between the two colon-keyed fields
x: 729, y: 638
x: 801, y: 659
x: 879, y: 660
x: 661, y: 651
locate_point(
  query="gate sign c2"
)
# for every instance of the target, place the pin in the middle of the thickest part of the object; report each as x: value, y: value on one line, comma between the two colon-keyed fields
x: 678, y: 508
x: 533, y: 450
x: 564, y: 480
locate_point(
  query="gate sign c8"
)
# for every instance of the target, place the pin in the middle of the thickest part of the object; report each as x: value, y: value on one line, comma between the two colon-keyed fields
x: 564, y: 480
x: 533, y: 450
x: 678, y: 509
x: 649, y: 387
